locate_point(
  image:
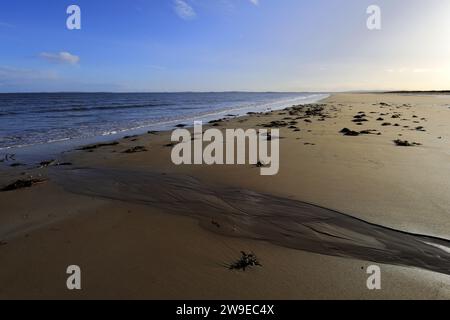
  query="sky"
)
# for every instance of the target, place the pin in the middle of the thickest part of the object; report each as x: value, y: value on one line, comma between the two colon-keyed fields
x: 224, y: 45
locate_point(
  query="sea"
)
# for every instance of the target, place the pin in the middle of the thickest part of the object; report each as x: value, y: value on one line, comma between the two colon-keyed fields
x: 57, y: 121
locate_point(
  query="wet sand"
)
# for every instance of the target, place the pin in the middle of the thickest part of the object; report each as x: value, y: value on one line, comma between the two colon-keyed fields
x: 248, y: 214
x: 347, y: 202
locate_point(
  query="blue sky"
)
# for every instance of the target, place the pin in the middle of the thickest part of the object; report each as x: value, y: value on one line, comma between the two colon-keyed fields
x: 222, y: 45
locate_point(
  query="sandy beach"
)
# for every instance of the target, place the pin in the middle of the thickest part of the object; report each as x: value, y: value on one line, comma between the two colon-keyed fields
x: 351, y: 197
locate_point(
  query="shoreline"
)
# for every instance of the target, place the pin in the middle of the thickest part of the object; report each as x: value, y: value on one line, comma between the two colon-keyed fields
x: 388, y: 185
x: 33, y: 152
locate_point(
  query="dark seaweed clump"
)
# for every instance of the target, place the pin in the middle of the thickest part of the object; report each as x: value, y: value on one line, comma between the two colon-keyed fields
x: 245, y: 261
x: 21, y: 184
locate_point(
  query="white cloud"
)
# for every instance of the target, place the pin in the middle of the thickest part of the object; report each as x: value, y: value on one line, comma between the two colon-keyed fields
x: 255, y: 2
x: 61, y: 57
x: 184, y: 10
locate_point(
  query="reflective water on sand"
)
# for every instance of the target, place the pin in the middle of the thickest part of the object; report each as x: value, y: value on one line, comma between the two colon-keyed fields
x: 244, y: 213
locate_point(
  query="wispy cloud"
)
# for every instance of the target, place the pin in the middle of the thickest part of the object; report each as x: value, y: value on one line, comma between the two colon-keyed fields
x: 426, y: 70
x: 60, y: 57
x: 255, y: 2
x: 184, y: 10
x: 414, y: 70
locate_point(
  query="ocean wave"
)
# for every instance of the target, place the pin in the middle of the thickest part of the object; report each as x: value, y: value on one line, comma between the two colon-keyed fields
x: 8, y: 113
x: 110, y: 107
x: 63, y: 122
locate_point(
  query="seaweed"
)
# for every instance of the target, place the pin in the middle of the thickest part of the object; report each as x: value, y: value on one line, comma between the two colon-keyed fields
x: 350, y: 133
x: 245, y: 261
x: 136, y: 149
x: 21, y: 184
x: 99, y: 145
x: 405, y: 143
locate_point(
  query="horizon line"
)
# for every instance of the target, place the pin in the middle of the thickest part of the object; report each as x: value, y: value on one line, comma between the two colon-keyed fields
x: 230, y: 91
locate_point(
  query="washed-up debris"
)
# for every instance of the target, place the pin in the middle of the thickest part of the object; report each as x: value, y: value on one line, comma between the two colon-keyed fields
x: 348, y: 132
x: 17, y: 164
x: 48, y: 163
x: 405, y: 143
x: 368, y: 131
x: 276, y: 124
x: 21, y: 184
x: 99, y: 145
x: 215, y: 223
x: 136, y: 149
x: 53, y: 163
x: 170, y: 145
x: 245, y: 261
x: 64, y: 164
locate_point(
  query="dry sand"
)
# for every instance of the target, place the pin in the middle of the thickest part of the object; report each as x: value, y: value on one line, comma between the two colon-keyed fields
x: 132, y: 250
